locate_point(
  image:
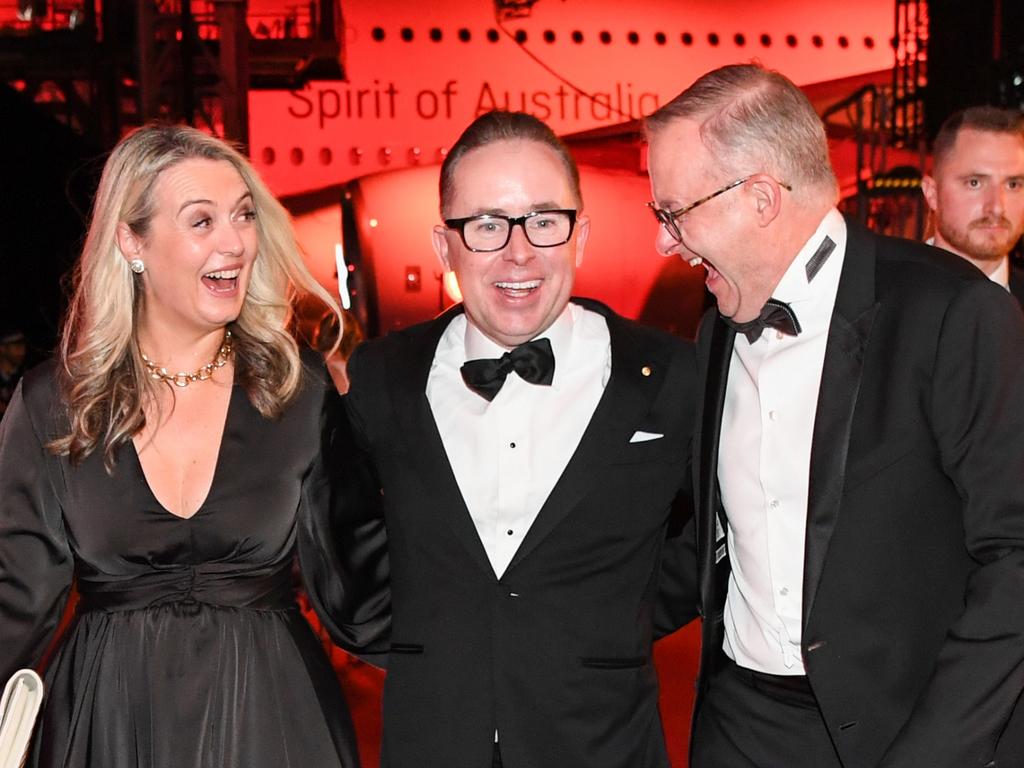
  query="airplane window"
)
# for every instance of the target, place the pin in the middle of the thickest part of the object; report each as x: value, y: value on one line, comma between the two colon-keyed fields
x: 407, y: 34
x: 740, y: 39
x: 435, y: 35
x: 766, y: 40
x: 844, y: 41
x: 869, y: 42
x: 269, y: 155
x: 492, y: 35
x: 713, y: 38
x: 606, y: 36
x: 791, y: 41
x: 817, y: 42
x: 577, y: 37
x: 326, y: 156
x: 659, y: 38
x: 297, y: 155
x: 377, y: 33
x: 464, y: 35
x: 520, y: 36
x: 549, y: 36
x: 633, y: 38
x: 687, y: 38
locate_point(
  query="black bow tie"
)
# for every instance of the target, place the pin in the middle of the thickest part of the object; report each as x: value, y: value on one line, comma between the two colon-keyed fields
x: 776, y: 314
x: 533, y: 361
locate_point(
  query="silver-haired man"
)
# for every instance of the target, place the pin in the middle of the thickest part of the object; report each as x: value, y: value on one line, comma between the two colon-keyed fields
x: 860, y: 515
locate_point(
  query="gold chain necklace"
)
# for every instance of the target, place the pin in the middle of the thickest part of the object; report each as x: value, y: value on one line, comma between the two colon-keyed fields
x: 183, y: 379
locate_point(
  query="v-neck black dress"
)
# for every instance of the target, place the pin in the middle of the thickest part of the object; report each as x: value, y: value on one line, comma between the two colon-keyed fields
x: 187, y: 647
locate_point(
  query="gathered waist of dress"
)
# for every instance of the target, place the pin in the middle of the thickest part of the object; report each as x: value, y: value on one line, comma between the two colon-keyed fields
x: 256, y: 589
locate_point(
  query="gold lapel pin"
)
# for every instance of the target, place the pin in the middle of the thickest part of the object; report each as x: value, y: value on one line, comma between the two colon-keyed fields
x: 646, y: 370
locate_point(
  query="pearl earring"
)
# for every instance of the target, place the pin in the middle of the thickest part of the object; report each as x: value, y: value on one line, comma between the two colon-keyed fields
x: 137, y: 266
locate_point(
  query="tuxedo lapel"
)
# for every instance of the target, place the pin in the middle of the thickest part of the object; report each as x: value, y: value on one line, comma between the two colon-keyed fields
x: 848, y: 336
x: 705, y: 447
x: 409, y: 371
x: 628, y: 395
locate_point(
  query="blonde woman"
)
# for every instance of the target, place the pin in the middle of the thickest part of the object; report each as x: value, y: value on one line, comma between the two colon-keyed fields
x: 162, y: 461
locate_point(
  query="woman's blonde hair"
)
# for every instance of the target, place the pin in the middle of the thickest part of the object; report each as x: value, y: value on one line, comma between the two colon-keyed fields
x: 103, y: 379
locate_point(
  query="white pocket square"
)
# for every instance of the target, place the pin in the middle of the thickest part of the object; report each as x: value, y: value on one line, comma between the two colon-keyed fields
x: 642, y: 437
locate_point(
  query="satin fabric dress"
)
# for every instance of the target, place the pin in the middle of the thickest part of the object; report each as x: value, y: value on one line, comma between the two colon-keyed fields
x: 187, y: 647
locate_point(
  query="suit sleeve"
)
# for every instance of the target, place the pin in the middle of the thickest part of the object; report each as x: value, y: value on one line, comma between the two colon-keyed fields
x: 342, y: 539
x: 36, y: 565
x: 678, y: 595
x: 977, y: 406
x: 678, y: 591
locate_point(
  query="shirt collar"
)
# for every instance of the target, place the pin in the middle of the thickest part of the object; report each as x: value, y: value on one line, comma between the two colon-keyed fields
x: 1001, y: 275
x: 794, y: 286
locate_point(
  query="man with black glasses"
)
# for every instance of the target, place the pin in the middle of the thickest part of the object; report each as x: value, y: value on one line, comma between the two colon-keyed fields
x: 530, y: 451
x: 858, y: 459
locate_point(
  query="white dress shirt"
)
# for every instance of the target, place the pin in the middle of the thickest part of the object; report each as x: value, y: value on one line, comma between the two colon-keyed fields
x: 507, y: 454
x: 764, y: 464
x: 1001, y: 274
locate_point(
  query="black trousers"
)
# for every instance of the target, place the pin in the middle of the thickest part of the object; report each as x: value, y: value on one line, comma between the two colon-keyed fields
x: 496, y: 762
x: 751, y: 720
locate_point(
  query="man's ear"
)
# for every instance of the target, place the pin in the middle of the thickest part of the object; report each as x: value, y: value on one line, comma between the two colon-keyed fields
x: 128, y: 242
x: 582, y: 233
x: 440, y: 242
x: 767, y: 194
x: 930, y: 191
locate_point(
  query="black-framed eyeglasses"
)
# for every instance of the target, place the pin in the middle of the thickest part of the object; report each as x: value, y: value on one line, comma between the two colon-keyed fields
x: 669, y: 219
x: 489, y: 232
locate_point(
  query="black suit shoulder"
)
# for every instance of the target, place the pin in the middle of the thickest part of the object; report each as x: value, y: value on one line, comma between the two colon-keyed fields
x: 655, y: 336
x: 921, y: 281
x: 632, y: 329
x: 381, y: 368
x: 924, y: 266
x: 373, y: 352
x: 678, y: 355
x: 681, y: 355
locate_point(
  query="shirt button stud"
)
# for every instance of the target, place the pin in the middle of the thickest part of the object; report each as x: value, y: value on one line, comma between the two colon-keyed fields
x: 774, y: 503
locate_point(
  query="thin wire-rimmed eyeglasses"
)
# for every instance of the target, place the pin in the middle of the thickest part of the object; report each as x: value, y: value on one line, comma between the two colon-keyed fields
x: 489, y: 232
x: 669, y: 219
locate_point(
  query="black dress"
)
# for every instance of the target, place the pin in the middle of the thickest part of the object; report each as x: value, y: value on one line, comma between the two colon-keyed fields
x: 187, y: 647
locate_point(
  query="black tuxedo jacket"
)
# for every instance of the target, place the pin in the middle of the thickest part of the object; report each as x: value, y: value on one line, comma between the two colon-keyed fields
x: 913, y: 594
x: 556, y: 654
x: 1011, y: 745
